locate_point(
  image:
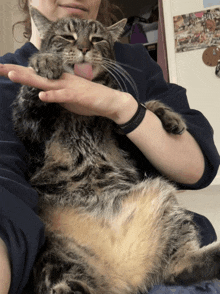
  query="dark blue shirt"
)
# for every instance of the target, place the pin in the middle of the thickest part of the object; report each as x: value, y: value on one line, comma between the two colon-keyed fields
x: 20, y: 227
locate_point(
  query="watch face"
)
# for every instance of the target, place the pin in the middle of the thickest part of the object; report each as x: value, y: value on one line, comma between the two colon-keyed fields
x: 211, y: 56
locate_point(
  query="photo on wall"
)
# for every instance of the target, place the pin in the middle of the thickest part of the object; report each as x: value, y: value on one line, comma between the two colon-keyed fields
x: 197, y: 30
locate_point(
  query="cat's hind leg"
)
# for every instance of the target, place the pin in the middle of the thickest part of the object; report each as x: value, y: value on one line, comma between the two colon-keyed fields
x: 60, y: 271
x: 73, y: 287
x: 199, y: 265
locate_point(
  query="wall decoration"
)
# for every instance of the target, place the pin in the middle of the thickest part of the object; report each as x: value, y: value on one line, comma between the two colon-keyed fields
x: 211, y: 56
x: 197, y: 30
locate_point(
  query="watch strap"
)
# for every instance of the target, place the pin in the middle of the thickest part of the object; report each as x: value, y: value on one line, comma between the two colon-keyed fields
x: 135, y: 121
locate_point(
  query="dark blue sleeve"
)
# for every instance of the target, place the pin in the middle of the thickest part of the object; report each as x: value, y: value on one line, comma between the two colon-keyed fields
x: 209, y: 287
x: 20, y: 227
x: 148, y: 77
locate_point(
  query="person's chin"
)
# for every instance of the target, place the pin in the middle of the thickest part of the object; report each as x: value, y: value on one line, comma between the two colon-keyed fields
x: 74, y: 12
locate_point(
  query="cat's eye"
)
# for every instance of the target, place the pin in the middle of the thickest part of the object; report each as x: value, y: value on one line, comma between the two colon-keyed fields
x: 69, y: 37
x: 97, y: 39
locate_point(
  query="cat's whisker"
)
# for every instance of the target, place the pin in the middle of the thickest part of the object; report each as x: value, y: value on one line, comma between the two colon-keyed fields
x: 113, y: 72
x: 123, y: 64
x: 97, y: 61
x: 123, y: 73
x: 122, y: 70
x: 113, y: 77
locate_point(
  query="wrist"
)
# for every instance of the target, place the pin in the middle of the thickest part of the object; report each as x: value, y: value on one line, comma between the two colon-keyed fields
x: 125, y: 108
x: 135, y: 121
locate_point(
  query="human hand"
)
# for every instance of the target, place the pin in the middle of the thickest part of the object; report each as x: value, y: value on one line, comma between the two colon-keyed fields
x: 76, y: 94
x: 5, y: 270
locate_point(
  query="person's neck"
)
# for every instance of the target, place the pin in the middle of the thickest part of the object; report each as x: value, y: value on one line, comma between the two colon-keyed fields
x: 35, y: 37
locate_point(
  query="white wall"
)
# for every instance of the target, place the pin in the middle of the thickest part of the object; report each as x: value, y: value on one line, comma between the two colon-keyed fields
x: 188, y: 70
x: 9, y: 14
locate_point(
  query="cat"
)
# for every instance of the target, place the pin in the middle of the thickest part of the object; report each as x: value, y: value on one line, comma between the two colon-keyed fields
x: 107, y: 230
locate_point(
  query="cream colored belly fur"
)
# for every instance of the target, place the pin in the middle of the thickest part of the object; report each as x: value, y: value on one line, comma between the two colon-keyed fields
x: 126, y: 244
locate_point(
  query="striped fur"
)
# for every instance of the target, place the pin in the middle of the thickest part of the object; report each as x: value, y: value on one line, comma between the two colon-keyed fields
x: 107, y: 230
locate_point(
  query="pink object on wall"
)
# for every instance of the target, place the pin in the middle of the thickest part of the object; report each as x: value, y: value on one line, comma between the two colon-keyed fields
x: 199, y: 14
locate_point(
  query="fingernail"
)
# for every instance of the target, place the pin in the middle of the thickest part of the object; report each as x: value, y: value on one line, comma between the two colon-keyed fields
x: 42, y: 95
x: 12, y: 76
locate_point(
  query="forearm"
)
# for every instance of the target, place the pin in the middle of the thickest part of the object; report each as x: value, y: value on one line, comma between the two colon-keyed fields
x: 178, y: 157
x: 5, y: 270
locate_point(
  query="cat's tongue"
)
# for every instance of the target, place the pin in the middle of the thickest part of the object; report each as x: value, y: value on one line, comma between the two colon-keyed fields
x: 83, y: 70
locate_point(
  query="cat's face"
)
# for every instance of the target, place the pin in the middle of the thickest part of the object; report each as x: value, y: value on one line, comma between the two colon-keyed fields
x: 77, y: 40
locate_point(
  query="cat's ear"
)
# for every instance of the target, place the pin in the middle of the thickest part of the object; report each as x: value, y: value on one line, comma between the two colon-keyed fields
x: 42, y: 23
x: 117, y: 29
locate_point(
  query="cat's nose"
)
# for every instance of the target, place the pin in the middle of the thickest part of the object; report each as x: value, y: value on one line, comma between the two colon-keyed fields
x: 84, y: 50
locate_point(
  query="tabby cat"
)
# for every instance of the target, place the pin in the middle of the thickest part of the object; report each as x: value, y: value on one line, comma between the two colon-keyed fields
x: 107, y: 230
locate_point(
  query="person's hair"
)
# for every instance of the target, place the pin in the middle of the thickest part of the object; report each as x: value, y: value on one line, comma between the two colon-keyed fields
x: 108, y: 14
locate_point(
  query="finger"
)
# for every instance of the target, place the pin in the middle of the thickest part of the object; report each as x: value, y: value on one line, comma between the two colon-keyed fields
x: 28, y: 77
x: 62, y: 97
x: 66, y: 89
x: 6, y: 68
x: 47, y: 96
x: 56, y: 96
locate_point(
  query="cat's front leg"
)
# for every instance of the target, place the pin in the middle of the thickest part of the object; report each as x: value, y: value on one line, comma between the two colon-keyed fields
x: 47, y: 65
x: 34, y: 120
x: 172, y: 121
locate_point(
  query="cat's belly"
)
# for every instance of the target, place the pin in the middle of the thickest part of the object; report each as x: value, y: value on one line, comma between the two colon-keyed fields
x: 69, y: 178
x: 126, y: 246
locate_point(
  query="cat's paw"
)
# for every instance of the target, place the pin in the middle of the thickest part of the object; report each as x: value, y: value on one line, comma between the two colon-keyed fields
x: 73, y: 287
x: 47, y: 65
x: 171, y: 121
x: 61, y: 288
x: 215, y: 261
